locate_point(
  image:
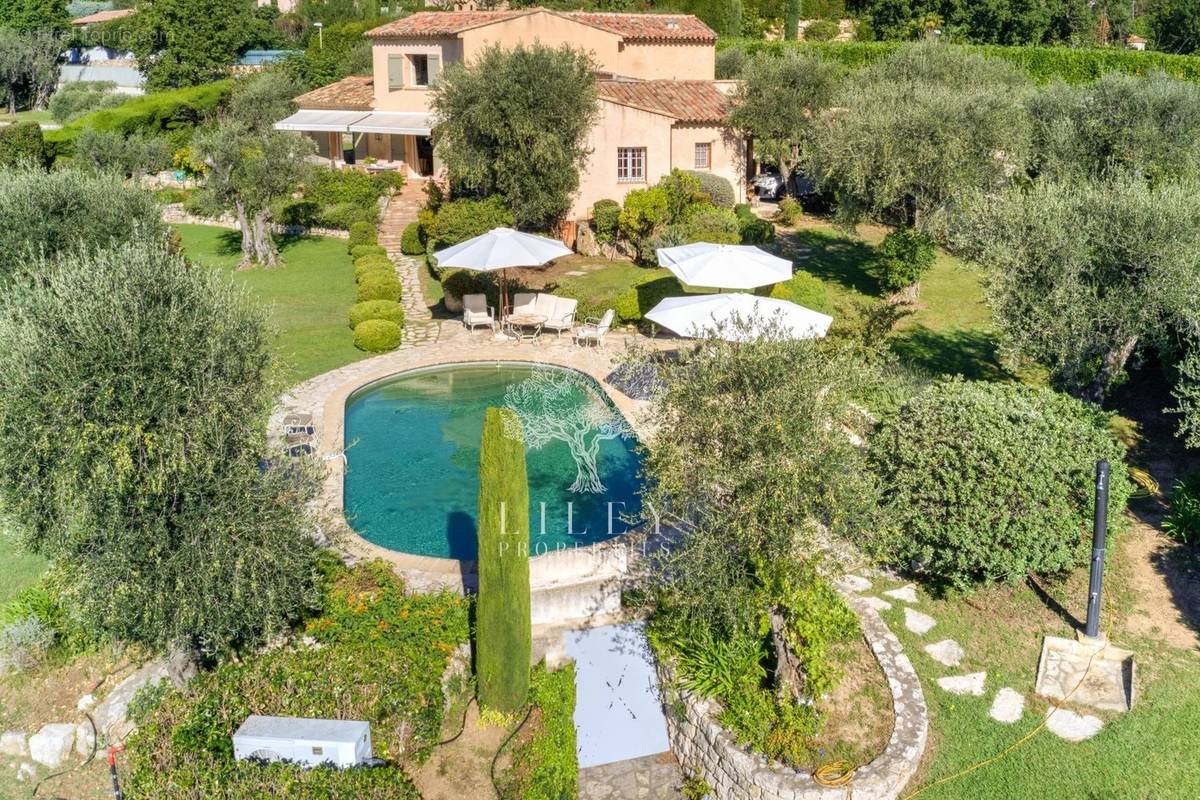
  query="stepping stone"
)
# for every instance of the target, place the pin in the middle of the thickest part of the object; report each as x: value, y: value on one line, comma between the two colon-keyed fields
x: 877, y: 603
x: 906, y: 593
x: 946, y: 652
x: 852, y: 583
x: 51, y: 746
x: 1008, y: 706
x: 26, y: 771
x: 12, y: 743
x: 918, y: 622
x: 971, y: 683
x: 88, y: 702
x: 1071, y: 726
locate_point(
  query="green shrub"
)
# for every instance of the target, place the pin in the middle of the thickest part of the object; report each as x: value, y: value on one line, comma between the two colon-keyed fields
x: 410, y: 240
x: 46, y: 600
x: 459, y: 220
x: 388, y: 310
x: 705, y: 223
x: 361, y: 233
x: 822, y: 30
x: 643, y: 212
x: 790, y: 211
x: 370, y: 264
x: 902, y: 258
x: 175, y: 113
x: 203, y: 204
x: 633, y: 303
x: 22, y: 143
x: 682, y: 190
x: 377, y: 335
x: 75, y: 99
x: 605, y: 217
x: 752, y: 228
x: 344, y: 197
x: 990, y: 481
x: 361, y: 250
x: 379, y: 285
x: 1183, y: 523
x: 803, y: 289
x: 373, y: 271
x: 719, y: 190
x: 389, y: 647
x: 343, y: 216
x: 24, y: 644
x: 544, y: 765
x: 503, y: 627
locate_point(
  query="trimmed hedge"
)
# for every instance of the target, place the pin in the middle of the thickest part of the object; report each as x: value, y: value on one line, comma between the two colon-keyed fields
x: 410, y: 240
x: 753, y: 229
x: 803, y: 289
x: 1043, y: 64
x: 377, y: 335
x: 605, y: 216
x: 388, y: 310
x: 381, y: 659
x: 371, y: 263
x: 176, y: 113
x: 378, y: 285
x: 361, y: 233
x: 992, y: 481
x: 459, y: 220
x: 363, y: 250
x: 717, y: 188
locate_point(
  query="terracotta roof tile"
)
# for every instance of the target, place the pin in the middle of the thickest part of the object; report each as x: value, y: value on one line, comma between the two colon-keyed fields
x: 103, y: 16
x: 648, y: 27
x: 686, y: 101
x: 631, y: 27
x: 356, y: 93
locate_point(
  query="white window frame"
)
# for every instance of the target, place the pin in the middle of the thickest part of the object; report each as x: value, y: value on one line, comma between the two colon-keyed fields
x: 706, y: 148
x: 631, y: 165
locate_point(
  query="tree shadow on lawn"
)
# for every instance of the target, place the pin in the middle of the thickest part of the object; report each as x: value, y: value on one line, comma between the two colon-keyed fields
x: 229, y: 242
x: 837, y: 259
x: 970, y: 353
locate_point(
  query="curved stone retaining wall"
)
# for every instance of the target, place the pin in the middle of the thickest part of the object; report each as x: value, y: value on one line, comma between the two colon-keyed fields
x: 707, y: 750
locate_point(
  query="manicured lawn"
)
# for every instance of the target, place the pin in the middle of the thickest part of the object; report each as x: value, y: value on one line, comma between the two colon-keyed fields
x: 308, y: 296
x: 1139, y: 754
x: 27, y: 116
x: 20, y: 568
x: 950, y: 330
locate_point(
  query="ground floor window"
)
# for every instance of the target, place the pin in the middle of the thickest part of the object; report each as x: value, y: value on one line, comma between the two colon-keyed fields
x: 703, y: 158
x: 631, y: 163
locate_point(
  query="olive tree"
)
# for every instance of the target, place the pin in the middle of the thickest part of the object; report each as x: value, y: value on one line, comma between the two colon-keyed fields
x: 132, y: 425
x: 45, y: 213
x: 514, y: 123
x: 1081, y: 275
x: 777, y: 101
x: 912, y: 132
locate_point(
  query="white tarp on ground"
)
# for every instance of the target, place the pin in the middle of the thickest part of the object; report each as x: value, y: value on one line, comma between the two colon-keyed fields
x: 394, y: 122
x: 330, y: 121
x: 618, y: 714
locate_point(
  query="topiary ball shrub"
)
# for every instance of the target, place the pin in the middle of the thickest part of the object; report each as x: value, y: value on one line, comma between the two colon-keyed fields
x: 992, y: 481
x: 371, y: 264
x: 361, y: 233
x: 378, y: 285
x: 803, y: 289
x: 752, y: 228
x: 410, y: 240
x: 388, y: 310
x: 719, y: 190
x: 363, y: 250
x: 377, y: 335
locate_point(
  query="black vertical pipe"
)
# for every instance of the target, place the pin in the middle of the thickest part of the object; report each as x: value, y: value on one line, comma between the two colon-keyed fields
x: 1099, y: 535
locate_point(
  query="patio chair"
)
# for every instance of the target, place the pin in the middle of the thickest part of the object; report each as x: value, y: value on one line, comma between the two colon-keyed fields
x: 593, y: 329
x: 299, y: 444
x: 298, y: 422
x: 476, y: 312
x: 523, y: 303
x: 558, y: 311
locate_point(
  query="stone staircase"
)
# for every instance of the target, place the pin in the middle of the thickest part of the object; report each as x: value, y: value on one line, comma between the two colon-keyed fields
x: 419, y: 325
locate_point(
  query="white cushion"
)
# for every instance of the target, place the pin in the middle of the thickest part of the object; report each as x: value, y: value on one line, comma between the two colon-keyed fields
x: 544, y: 304
x: 564, y: 308
x: 523, y: 303
x: 475, y: 303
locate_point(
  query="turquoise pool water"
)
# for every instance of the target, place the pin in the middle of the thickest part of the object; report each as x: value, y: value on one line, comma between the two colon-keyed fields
x: 412, y: 464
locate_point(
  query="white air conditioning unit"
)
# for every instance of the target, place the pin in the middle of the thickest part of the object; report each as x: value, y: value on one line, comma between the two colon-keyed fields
x: 308, y: 742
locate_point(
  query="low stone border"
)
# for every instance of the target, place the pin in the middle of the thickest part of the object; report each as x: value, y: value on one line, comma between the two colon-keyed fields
x: 709, y: 751
x: 174, y: 214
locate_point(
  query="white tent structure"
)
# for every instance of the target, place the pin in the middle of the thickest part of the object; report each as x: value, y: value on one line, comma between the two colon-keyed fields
x: 500, y: 249
x: 737, y: 317
x: 724, y: 266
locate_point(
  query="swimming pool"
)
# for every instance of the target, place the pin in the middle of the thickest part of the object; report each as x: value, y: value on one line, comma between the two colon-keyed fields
x: 412, y: 458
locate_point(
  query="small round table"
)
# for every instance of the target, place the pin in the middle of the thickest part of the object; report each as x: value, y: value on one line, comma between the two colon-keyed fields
x: 518, y: 325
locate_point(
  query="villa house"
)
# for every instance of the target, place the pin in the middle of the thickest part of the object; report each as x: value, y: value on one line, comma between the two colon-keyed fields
x: 660, y: 106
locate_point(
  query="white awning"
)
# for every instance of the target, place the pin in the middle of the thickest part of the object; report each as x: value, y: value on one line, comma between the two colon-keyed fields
x: 415, y: 123
x: 331, y: 121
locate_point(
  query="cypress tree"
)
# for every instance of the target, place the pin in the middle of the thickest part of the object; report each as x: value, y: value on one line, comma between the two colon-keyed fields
x: 791, y: 19
x: 503, y: 628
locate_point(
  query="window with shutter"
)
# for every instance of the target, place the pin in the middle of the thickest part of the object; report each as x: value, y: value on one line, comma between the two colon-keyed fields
x: 395, y: 72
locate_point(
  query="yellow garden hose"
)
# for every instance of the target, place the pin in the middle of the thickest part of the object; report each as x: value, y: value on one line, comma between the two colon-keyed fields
x: 835, y: 773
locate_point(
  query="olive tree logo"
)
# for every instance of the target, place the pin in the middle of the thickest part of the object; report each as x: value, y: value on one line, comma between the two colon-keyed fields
x: 566, y: 407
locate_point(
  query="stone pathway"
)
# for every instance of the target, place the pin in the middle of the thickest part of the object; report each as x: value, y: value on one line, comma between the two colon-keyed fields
x: 420, y: 327
x: 649, y: 778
